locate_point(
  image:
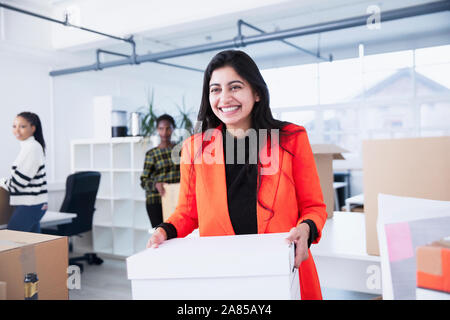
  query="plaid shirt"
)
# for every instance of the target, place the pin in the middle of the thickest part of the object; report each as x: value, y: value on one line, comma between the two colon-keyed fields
x: 158, y: 167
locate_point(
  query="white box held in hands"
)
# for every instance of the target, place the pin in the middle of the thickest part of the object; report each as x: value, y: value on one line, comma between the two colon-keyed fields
x: 258, y: 266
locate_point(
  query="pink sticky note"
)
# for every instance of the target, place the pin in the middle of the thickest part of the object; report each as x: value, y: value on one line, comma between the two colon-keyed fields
x: 399, y: 243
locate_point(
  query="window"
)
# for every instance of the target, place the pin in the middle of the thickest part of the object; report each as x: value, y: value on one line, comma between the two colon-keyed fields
x: 382, y: 96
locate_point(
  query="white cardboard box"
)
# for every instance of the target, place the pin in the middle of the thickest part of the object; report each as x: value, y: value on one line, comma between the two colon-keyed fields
x: 239, y: 267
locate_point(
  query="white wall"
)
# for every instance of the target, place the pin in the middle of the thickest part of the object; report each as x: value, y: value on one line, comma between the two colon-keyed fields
x: 73, y: 100
x: 24, y: 81
x: 64, y: 103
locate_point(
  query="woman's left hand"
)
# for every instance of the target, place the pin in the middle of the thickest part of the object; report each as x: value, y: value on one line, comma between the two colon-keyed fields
x: 299, y: 235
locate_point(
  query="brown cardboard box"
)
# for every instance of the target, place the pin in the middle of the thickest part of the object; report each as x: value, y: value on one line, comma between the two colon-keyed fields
x: 46, y: 255
x: 324, y: 154
x: 5, y: 209
x: 170, y: 199
x: 433, y: 266
x: 412, y: 167
x: 2, y: 290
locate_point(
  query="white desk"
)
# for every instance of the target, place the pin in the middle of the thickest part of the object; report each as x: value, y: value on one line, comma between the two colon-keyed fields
x: 341, y: 258
x: 355, y: 200
x: 53, y: 218
x: 425, y: 294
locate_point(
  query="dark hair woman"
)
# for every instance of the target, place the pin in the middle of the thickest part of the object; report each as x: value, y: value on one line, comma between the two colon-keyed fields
x: 27, y: 185
x: 279, y: 192
x: 159, y: 169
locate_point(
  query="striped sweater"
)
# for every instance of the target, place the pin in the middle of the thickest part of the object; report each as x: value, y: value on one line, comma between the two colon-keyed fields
x: 28, y: 183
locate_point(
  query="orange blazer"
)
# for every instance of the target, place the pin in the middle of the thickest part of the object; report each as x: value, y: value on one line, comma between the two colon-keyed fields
x: 292, y: 192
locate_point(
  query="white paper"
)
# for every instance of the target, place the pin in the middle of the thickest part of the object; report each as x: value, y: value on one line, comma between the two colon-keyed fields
x: 427, y: 221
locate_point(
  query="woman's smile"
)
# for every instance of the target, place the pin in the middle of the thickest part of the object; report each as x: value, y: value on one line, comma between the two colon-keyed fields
x: 231, y: 98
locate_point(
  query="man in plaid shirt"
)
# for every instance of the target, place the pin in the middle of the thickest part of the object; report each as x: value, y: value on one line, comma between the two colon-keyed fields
x: 159, y: 169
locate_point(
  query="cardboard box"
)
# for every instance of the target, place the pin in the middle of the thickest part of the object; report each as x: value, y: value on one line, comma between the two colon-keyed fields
x: 433, y: 266
x: 413, y: 167
x: 256, y: 266
x: 170, y: 199
x: 324, y: 154
x: 45, y: 255
x: 3, y: 290
x: 5, y: 209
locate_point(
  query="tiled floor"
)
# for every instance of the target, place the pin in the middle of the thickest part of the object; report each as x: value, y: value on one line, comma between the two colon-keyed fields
x: 109, y: 282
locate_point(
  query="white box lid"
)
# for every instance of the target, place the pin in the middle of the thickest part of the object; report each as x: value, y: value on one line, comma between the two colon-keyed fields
x: 221, y: 256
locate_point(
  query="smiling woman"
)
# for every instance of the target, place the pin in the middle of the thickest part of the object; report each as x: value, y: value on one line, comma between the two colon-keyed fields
x: 243, y: 197
x: 231, y: 98
x: 27, y: 185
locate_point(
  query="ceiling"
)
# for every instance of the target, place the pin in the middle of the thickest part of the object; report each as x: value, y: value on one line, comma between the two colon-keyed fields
x: 394, y: 35
x: 341, y: 43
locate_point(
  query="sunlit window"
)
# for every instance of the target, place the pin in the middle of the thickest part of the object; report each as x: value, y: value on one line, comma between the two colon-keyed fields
x: 389, y: 95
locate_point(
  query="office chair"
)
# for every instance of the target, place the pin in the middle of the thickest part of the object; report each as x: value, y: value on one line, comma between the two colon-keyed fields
x: 81, y: 192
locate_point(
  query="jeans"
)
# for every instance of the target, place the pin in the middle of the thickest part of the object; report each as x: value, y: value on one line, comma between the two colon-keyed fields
x: 26, y: 218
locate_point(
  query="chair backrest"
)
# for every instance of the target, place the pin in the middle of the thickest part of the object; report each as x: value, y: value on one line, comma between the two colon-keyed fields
x: 81, y: 192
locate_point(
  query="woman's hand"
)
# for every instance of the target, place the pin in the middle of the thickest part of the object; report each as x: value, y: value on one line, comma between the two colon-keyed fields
x: 299, y: 235
x: 158, y: 237
x: 160, y: 187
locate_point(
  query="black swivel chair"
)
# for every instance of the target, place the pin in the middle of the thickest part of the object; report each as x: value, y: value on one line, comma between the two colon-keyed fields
x: 81, y: 192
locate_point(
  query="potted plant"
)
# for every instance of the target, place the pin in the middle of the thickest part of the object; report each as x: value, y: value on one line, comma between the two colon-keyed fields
x: 184, y: 121
x: 148, y: 121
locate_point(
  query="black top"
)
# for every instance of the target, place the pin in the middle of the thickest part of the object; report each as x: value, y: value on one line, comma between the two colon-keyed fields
x: 241, y: 175
x: 241, y: 172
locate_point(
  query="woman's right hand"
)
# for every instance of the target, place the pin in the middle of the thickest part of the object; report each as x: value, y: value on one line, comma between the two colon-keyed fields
x: 158, y: 237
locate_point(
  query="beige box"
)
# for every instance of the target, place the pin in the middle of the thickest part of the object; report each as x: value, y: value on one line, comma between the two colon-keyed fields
x: 412, y: 167
x: 2, y: 290
x: 170, y: 199
x: 324, y: 154
x: 45, y: 255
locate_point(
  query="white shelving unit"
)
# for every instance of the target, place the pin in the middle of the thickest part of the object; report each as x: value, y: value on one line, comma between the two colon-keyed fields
x: 120, y: 224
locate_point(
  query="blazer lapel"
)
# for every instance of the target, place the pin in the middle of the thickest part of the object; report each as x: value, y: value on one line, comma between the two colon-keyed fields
x: 214, y: 179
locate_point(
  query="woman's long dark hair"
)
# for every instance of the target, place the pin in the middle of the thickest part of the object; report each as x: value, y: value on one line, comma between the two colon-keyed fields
x: 261, y: 115
x: 246, y: 68
x: 34, y: 120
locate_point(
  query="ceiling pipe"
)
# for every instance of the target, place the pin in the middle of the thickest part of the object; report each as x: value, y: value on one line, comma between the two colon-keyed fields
x: 317, y: 55
x: 64, y: 22
x: 132, y: 59
x: 237, y: 42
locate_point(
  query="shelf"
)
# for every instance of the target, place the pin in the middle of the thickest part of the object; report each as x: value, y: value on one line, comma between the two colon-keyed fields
x: 102, y: 214
x: 121, y: 156
x: 82, y: 156
x: 122, y: 185
x: 123, y: 241
x: 103, y: 239
x: 123, y: 213
x: 138, y: 192
x: 104, y: 189
x: 139, y: 151
x: 102, y: 156
x: 120, y: 222
x: 82, y: 169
